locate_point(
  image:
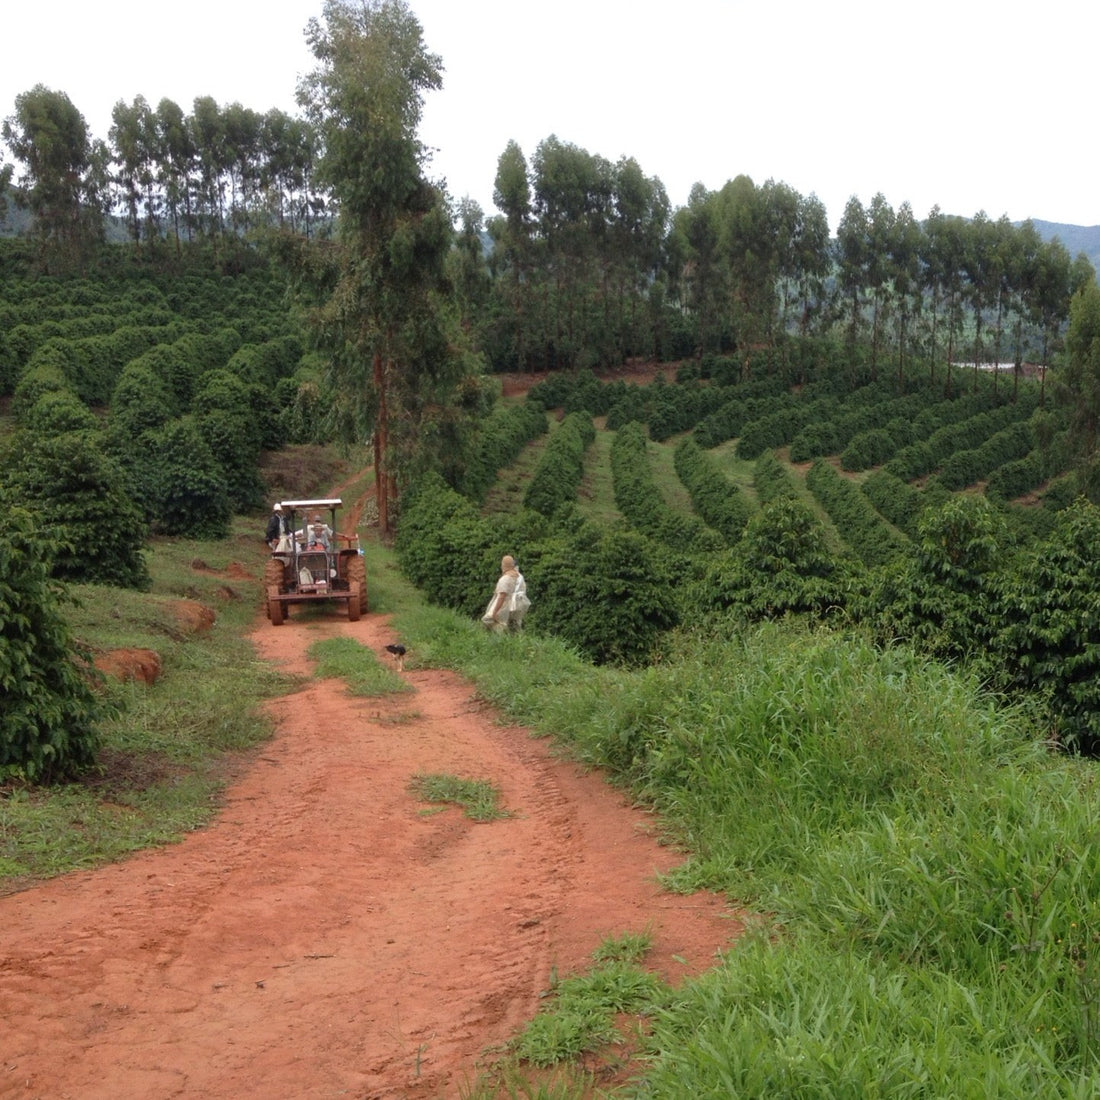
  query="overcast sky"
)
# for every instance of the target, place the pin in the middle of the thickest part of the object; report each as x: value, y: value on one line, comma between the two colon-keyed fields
x: 971, y: 105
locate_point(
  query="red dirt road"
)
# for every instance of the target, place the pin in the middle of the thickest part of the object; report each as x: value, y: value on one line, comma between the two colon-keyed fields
x: 328, y: 935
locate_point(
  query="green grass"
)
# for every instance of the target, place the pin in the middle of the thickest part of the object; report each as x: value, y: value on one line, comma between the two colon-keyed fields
x: 479, y: 798
x: 926, y: 875
x: 596, y: 494
x: 171, y: 747
x: 661, y: 461
x: 357, y: 666
x: 506, y: 494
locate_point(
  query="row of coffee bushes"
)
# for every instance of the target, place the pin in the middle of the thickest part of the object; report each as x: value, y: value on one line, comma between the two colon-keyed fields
x: 719, y: 503
x: 832, y: 436
x: 561, y: 465
x: 501, y: 437
x: 640, y: 501
x: 863, y: 528
x: 927, y: 455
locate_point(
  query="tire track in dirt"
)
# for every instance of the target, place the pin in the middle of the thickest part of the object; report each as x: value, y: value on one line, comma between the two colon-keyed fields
x: 329, y: 935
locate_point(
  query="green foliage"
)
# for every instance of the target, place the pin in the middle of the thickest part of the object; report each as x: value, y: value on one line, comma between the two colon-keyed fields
x: 1048, y: 625
x: 872, y: 539
x: 479, y: 799
x: 940, y: 598
x: 57, y: 412
x: 439, y: 539
x: 640, y: 500
x: 48, y: 723
x: 182, y: 483
x: 500, y: 438
x: 84, y: 511
x: 609, y: 593
x: 561, y: 465
x: 717, y: 500
x: 779, y: 567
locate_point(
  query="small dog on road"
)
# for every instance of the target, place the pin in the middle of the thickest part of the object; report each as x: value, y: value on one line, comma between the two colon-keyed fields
x: 398, y: 652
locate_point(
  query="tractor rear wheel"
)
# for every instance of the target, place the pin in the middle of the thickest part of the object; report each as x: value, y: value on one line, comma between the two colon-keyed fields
x: 357, y: 576
x: 353, y: 602
x: 276, y: 610
x: 275, y: 574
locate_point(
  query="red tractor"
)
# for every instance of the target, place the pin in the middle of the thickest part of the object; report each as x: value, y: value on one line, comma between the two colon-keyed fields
x: 308, y: 563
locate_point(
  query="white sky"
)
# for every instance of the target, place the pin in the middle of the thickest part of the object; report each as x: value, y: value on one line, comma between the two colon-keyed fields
x: 970, y: 104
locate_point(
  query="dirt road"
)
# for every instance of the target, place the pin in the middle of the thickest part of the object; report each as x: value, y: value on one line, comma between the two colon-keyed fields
x: 329, y: 935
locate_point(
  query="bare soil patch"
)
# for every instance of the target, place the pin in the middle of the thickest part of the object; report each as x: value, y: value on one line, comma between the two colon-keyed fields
x: 330, y: 935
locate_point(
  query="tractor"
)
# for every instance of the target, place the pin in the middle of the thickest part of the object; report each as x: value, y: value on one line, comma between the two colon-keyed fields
x: 307, y: 564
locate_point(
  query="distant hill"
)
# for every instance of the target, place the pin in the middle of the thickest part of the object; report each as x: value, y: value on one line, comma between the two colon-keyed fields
x: 1076, y: 238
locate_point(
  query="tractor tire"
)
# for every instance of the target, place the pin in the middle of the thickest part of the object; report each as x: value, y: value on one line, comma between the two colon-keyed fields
x: 275, y: 574
x: 357, y: 576
x: 353, y: 602
x: 276, y: 610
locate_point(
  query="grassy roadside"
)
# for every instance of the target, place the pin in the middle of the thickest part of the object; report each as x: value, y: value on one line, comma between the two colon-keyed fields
x: 927, y: 875
x: 168, y: 753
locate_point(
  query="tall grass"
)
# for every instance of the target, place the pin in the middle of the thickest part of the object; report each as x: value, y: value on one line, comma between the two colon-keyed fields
x: 929, y: 875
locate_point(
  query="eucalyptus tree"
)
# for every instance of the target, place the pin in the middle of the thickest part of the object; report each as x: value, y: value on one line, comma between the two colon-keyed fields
x: 207, y: 126
x: 852, y: 237
x: 63, y: 182
x: 1050, y: 294
x: 468, y: 270
x: 572, y: 199
x: 242, y: 129
x: 782, y: 212
x: 905, y: 246
x: 944, y: 259
x: 704, y: 279
x: 878, y: 267
x: 381, y: 319
x: 750, y: 220
x: 638, y: 226
x: 177, y: 162
x: 137, y: 152
x: 1020, y: 277
x: 512, y: 258
x: 1079, y: 386
x: 6, y: 171
x: 810, y: 260
x: 980, y: 268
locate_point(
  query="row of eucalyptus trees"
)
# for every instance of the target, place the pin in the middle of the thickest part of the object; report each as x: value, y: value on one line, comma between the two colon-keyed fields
x: 169, y: 175
x: 589, y: 262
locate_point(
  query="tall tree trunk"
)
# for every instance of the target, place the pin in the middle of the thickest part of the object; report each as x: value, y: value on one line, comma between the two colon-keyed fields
x: 381, y: 433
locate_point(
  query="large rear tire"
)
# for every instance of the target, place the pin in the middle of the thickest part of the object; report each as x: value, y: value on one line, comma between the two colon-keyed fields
x: 275, y: 574
x: 275, y: 609
x: 353, y: 602
x: 357, y: 575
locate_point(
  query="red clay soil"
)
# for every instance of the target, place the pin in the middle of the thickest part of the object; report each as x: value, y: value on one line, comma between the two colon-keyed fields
x: 329, y: 934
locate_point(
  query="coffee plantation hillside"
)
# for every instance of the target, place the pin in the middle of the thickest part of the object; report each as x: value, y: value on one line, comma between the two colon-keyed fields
x: 759, y: 499
x: 143, y: 400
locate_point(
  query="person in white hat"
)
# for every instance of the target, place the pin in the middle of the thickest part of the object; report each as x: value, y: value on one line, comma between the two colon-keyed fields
x: 277, y: 527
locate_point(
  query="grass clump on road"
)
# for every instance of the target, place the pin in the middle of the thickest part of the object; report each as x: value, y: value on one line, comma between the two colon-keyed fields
x: 479, y: 799
x: 350, y: 661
